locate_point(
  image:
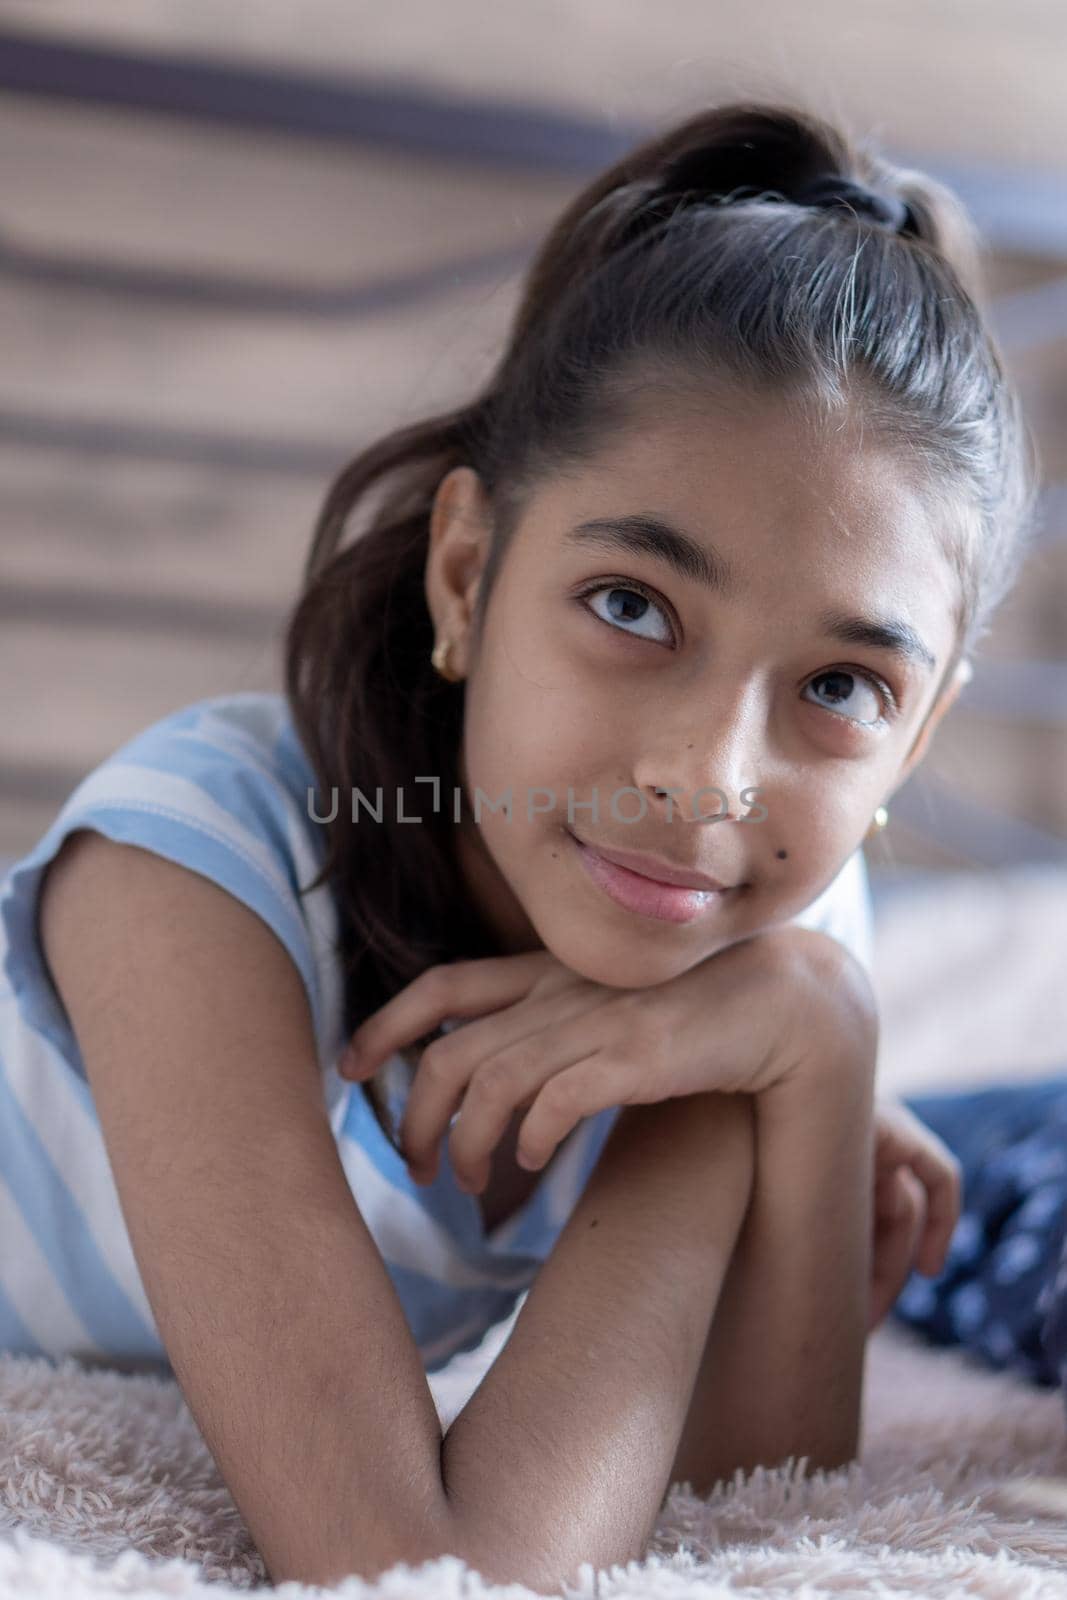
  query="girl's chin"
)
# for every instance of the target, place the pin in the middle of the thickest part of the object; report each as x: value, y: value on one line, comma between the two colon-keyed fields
x: 600, y: 956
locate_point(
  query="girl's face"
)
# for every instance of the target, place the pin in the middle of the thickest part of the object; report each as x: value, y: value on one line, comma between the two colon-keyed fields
x: 717, y: 603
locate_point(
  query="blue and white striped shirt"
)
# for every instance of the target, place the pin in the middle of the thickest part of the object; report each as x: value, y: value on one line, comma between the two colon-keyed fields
x: 221, y: 787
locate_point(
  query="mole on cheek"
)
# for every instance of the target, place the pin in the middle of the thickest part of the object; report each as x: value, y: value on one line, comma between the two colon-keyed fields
x: 781, y: 854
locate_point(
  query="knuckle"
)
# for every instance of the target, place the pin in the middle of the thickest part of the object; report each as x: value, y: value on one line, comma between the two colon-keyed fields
x: 560, y: 1095
x: 493, y: 1081
x: 437, y: 1061
x: 437, y: 981
x: 633, y: 1031
x: 628, y: 1008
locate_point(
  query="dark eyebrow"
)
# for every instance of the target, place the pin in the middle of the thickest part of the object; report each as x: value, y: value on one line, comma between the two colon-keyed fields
x: 644, y: 535
x: 647, y: 535
x: 888, y: 633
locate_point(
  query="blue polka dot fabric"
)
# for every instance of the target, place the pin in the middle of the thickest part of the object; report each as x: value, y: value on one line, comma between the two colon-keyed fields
x: 1002, y: 1292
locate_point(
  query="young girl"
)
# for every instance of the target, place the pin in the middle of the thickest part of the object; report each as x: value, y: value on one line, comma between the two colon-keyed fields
x: 560, y: 823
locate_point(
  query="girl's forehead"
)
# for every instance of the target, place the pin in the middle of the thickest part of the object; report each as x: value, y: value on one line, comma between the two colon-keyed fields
x: 761, y: 497
x: 741, y: 461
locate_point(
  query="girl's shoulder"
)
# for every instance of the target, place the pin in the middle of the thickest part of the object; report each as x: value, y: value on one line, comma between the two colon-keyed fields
x: 223, y: 787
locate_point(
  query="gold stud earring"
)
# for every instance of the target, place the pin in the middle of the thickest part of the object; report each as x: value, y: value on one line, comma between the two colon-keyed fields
x: 881, y: 817
x: 441, y: 651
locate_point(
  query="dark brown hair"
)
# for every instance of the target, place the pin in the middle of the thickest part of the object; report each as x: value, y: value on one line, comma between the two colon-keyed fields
x: 690, y: 263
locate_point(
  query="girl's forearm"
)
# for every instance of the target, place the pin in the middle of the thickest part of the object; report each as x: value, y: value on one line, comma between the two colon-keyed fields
x: 782, y: 1374
x: 815, y: 1134
x: 563, y: 1454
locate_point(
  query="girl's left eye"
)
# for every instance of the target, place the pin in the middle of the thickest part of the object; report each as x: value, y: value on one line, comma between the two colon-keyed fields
x: 626, y: 604
x: 878, y: 695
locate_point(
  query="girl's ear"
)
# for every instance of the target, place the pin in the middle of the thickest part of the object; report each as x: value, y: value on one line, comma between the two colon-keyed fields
x: 946, y: 700
x: 460, y: 527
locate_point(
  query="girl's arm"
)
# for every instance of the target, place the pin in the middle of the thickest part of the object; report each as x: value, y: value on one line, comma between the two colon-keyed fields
x: 644, y: 1353
x: 276, y: 1309
x: 271, y: 1297
x: 269, y: 1293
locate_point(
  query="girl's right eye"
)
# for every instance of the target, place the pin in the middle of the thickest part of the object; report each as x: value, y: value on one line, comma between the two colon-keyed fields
x: 625, y: 604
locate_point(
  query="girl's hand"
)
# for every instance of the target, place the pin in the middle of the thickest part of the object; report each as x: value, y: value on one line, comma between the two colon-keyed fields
x: 563, y: 1048
x: 917, y: 1186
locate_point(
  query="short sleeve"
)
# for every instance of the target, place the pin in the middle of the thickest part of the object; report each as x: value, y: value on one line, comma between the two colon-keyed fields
x: 218, y: 787
x: 844, y: 911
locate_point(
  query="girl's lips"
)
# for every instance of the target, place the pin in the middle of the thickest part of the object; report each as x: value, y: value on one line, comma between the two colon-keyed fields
x: 647, y: 896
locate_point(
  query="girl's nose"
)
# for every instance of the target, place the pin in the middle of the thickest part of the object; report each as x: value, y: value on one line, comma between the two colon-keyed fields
x: 704, y: 771
x: 711, y: 802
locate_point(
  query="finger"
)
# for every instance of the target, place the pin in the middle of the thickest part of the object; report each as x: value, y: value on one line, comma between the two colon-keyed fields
x: 511, y: 1079
x: 899, y: 1227
x: 601, y: 1078
x: 911, y: 1220
x: 487, y: 1071
x: 941, y: 1177
x: 491, y: 1100
x: 880, y: 1304
x: 897, y: 1132
x: 450, y: 989
x: 902, y: 1137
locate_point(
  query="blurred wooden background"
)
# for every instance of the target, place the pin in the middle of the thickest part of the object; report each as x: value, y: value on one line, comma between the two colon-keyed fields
x: 239, y: 242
